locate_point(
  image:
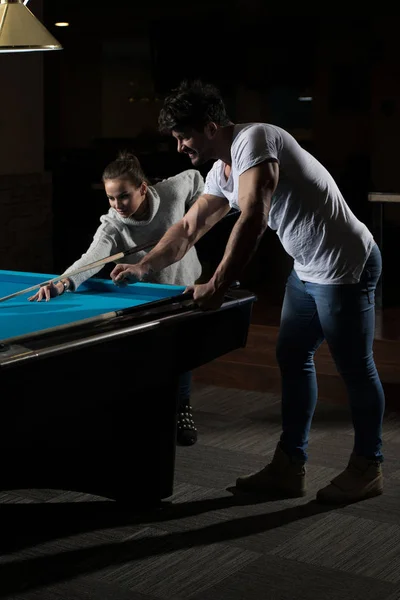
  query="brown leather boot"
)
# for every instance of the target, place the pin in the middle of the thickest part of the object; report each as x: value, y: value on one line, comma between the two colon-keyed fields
x: 361, y: 479
x: 282, y: 476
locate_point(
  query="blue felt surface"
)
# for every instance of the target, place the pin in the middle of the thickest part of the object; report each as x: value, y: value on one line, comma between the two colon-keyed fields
x: 18, y: 316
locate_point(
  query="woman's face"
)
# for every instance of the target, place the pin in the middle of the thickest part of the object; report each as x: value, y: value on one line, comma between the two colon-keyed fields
x: 124, y: 197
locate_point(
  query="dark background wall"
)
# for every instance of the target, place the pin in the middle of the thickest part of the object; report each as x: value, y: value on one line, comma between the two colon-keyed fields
x: 71, y: 111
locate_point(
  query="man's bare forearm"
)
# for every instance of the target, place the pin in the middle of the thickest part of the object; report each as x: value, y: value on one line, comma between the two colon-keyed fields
x: 242, y: 245
x: 171, y: 248
x: 182, y: 236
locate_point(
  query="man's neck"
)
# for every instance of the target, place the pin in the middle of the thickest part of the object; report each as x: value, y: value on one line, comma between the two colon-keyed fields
x: 223, y: 143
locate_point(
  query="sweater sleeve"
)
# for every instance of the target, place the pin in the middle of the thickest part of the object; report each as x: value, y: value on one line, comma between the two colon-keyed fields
x: 104, y: 244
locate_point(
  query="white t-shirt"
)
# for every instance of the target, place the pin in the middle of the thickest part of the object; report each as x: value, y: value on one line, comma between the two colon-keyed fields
x: 315, y: 225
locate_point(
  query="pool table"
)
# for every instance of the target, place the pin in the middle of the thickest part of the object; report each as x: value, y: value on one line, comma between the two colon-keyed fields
x: 89, y: 382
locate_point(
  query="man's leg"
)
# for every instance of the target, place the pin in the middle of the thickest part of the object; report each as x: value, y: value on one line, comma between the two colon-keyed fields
x: 347, y: 316
x: 299, y: 337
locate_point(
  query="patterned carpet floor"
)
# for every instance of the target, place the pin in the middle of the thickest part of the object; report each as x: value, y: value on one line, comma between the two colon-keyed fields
x: 209, y: 543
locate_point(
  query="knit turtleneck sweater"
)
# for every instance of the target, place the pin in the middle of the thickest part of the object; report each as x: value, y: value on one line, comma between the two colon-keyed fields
x: 168, y: 202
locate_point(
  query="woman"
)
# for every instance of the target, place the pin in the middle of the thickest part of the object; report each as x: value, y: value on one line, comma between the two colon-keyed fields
x: 140, y: 212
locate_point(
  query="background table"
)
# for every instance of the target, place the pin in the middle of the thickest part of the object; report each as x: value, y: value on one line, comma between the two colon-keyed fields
x: 385, y: 292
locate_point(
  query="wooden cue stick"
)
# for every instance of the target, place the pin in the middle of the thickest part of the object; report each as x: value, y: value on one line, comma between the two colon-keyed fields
x: 97, y: 263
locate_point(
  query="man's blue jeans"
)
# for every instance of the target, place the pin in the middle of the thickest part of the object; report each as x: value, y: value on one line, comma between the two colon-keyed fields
x: 343, y: 315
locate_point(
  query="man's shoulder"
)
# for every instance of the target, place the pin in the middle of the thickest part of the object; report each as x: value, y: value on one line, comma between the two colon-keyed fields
x: 243, y: 131
x: 255, y: 140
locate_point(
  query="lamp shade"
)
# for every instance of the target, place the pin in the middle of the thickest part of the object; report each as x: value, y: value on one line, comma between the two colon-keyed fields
x: 21, y: 31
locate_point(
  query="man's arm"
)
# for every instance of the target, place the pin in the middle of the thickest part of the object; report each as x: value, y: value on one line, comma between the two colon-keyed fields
x: 182, y: 236
x: 179, y: 238
x: 256, y: 187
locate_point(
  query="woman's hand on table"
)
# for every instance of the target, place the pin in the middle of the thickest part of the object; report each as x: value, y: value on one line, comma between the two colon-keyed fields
x: 46, y: 292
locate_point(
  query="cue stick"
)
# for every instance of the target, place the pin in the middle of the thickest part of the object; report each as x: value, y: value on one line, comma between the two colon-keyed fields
x: 121, y: 312
x: 97, y: 263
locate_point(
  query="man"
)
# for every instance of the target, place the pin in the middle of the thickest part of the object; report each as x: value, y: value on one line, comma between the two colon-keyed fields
x: 261, y: 170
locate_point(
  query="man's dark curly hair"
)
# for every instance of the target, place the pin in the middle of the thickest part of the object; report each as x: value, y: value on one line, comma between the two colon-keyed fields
x: 191, y: 106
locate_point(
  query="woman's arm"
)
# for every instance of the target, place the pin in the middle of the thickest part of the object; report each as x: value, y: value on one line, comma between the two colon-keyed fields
x: 103, y: 245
